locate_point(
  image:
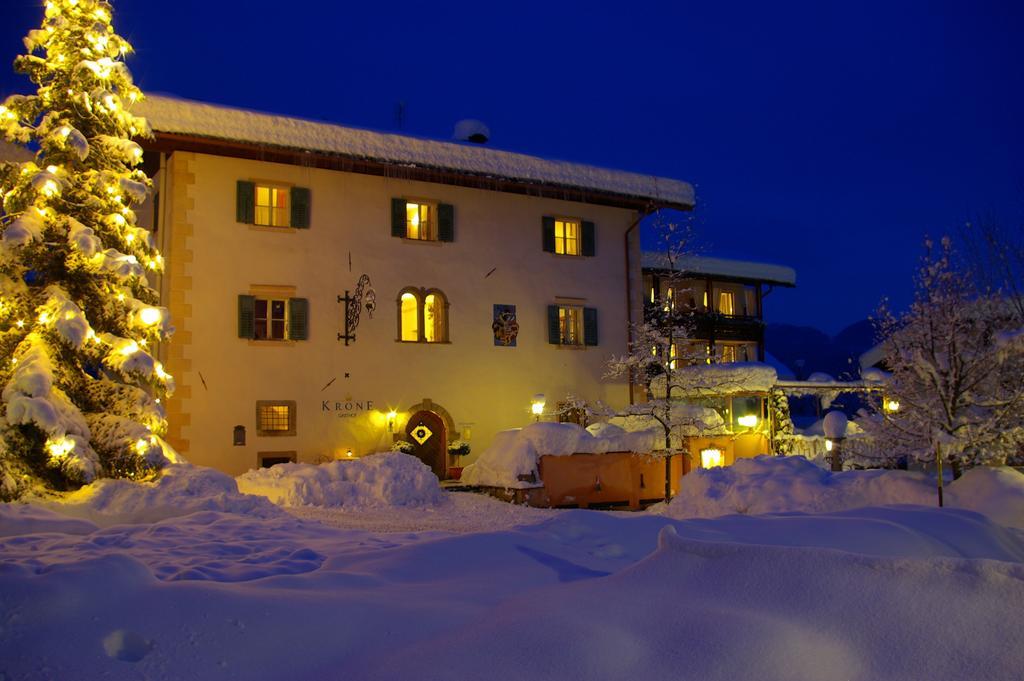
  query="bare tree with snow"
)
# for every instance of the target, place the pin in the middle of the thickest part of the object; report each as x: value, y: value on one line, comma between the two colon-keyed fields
x: 957, y: 363
x: 669, y: 365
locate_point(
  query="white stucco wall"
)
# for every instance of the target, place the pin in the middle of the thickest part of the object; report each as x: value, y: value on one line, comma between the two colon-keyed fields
x: 486, y: 387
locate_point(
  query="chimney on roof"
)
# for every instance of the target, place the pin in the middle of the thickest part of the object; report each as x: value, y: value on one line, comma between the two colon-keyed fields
x: 471, y: 130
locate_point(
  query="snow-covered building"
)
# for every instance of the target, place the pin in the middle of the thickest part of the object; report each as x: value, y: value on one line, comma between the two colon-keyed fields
x: 335, y: 290
x: 725, y: 299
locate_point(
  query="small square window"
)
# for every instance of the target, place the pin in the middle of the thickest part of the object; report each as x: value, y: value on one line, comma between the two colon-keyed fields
x: 570, y: 325
x: 272, y: 206
x: 419, y: 221
x: 275, y: 418
x: 271, y: 319
x: 567, y: 237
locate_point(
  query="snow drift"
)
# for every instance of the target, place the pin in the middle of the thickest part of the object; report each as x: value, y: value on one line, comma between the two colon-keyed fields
x: 385, y: 479
x: 515, y: 453
x: 729, y: 611
x: 792, y: 484
x: 995, y: 492
x: 181, y: 489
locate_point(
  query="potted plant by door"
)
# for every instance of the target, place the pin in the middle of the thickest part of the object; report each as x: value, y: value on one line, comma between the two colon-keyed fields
x: 457, y: 448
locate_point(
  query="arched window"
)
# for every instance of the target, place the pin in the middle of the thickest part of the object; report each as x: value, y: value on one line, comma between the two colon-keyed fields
x: 408, y: 316
x: 422, y: 316
x: 435, y: 317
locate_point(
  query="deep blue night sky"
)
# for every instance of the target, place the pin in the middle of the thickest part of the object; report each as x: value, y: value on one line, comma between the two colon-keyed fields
x: 828, y: 137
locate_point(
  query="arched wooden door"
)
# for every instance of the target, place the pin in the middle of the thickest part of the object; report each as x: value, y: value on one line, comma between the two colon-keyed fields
x: 427, y: 433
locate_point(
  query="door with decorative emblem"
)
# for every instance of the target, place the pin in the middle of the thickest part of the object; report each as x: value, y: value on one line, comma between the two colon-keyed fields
x: 426, y: 432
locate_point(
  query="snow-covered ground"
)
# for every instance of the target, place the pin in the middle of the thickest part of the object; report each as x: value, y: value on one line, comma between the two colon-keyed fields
x: 220, y: 585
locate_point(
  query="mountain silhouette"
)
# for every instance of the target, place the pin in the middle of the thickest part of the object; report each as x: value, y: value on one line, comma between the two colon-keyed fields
x: 806, y: 350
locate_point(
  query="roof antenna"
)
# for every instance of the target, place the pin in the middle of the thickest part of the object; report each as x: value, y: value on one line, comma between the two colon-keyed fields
x: 400, y: 115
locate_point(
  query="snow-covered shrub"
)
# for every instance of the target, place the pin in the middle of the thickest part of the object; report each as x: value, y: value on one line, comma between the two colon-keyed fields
x: 384, y: 479
x: 772, y: 484
x: 178, y: 490
x: 403, y: 446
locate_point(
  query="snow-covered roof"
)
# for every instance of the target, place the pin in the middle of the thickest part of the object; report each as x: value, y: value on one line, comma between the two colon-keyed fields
x: 180, y: 116
x: 721, y: 267
x: 872, y: 356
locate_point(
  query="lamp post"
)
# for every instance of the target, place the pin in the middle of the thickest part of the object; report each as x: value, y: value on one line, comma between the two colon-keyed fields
x: 834, y: 424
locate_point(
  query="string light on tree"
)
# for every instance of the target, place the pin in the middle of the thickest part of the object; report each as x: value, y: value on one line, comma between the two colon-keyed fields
x: 71, y: 243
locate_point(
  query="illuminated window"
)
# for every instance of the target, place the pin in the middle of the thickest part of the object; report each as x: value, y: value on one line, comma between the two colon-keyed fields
x: 419, y: 222
x: 408, y: 317
x: 726, y: 302
x: 272, y: 206
x: 275, y: 418
x: 271, y: 314
x: 570, y: 325
x: 422, y: 316
x: 746, y: 413
x: 271, y: 319
x: 736, y: 352
x: 433, y: 318
x: 711, y: 458
x: 567, y: 237
x: 737, y: 300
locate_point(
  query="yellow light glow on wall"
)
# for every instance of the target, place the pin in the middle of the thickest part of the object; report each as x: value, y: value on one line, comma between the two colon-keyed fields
x: 391, y: 416
x: 828, y: 445
x: 712, y: 458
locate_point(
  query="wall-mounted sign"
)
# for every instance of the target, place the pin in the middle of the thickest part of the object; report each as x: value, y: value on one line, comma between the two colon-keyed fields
x: 354, y: 305
x: 345, y: 408
x: 421, y: 433
x: 505, y: 326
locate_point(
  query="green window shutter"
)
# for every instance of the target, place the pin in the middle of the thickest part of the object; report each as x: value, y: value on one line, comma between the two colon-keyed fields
x: 246, y: 316
x: 300, y: 207
x: 588, y: 245
x: 548, y: 233
x: 589, y: 326
x: 445, y: 222
x: 245, y: 202
x: 554, y: 329
x: 298, y: 319
x: 398, y: 218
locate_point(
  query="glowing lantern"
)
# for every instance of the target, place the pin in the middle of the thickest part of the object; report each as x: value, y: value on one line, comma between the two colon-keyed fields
x: 537, y: 406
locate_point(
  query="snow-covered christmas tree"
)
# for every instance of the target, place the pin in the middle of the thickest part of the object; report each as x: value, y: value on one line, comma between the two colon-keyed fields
x: 79, y: 321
